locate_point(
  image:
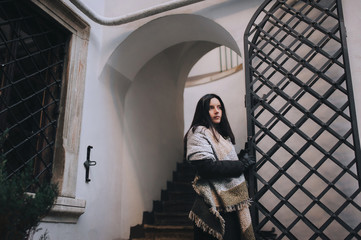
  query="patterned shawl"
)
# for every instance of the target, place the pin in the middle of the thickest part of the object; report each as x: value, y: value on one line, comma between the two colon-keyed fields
x: 216, y: 195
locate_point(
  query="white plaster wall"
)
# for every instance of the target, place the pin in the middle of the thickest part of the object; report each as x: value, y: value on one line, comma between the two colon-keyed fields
x: 100, y: 129
x: 153, y: 144
x: 208, y: 63
x: 119, y: 192
x: 113, y: 203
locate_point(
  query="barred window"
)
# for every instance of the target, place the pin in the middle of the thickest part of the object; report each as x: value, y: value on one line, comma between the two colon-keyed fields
x: 33, y: 49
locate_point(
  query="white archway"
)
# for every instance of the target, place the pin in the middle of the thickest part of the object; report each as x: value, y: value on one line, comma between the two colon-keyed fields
x: 162, y: 33
x: 147, y: 72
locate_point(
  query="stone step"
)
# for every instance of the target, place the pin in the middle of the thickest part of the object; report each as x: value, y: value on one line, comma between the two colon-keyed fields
x: 167, y: 228
x: 167, y: 195
x: 163, y: 232
x: 172, y: 206
x: 183, y: 176
x: 172, y: 219
x: 169, y: 217
x: 185, y: 186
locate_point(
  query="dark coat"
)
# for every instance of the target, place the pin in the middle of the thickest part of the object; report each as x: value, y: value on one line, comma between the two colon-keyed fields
x: 232, y: 229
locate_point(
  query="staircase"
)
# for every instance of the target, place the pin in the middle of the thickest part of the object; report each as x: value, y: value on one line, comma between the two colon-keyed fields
x: 169, y: 217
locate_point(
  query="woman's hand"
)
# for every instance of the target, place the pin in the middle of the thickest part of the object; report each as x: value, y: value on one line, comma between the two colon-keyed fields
x: 248, y: 160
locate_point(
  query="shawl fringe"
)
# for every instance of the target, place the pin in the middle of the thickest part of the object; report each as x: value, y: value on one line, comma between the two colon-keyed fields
x: 205, y: 228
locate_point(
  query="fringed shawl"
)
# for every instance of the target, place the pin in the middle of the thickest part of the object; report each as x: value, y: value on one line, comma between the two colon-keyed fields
x: 216, y: 195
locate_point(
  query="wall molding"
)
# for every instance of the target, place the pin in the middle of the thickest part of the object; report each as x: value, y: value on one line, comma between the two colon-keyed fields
x: 65, y: 164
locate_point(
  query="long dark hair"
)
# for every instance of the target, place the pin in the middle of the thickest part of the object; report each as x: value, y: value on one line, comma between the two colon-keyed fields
x: 202, y: 118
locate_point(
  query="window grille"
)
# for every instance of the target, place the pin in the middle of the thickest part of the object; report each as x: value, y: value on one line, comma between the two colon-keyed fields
x: 33, y: 48
x: 302, y: 122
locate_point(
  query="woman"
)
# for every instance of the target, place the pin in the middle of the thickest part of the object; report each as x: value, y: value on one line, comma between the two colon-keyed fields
x: 221, y: 208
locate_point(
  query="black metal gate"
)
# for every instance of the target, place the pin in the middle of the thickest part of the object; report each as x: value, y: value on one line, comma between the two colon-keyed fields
x: 301, y: 122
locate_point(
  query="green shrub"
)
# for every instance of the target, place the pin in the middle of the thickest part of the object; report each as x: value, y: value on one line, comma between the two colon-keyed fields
x: 21, y: 212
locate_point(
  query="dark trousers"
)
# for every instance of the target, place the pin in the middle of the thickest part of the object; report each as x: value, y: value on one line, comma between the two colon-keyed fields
x: 233, y: 231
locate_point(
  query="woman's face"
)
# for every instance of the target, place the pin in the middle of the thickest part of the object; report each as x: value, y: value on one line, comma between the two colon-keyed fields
x: 215, y: 110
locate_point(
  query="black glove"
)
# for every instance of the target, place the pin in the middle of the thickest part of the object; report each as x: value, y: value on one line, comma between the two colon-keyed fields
x: 247, y: 159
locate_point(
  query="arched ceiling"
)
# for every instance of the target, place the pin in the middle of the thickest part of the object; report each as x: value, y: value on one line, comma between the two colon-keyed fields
x: 157, y: 35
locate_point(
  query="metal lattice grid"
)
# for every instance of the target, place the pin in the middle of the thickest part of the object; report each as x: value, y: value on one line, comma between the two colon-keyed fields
x: 32, y: 52
x: 302, y: 123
